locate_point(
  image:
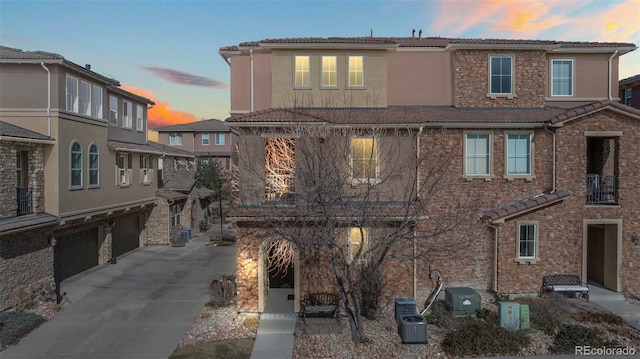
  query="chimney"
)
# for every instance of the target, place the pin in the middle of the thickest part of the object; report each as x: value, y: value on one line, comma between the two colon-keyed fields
x: 413, y: 33
x: 87, y: 66
x: 420, y: 34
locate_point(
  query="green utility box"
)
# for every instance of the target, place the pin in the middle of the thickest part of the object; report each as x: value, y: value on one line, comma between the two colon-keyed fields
x: 525, y: 321
x: 462, y: 301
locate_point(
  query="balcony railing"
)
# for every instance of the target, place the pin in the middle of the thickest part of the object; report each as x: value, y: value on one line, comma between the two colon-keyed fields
x: 24, y: 200
x: 602, y: 189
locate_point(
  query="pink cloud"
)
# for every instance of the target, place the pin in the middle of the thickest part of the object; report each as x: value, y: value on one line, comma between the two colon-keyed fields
x: 161, y: 114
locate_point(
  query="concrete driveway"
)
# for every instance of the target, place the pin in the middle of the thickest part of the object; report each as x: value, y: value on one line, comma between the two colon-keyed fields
x: 140, y: 307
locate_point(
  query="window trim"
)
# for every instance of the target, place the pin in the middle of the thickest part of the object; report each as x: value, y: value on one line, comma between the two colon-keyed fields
x: 349, y: 85
x: 139, y: 118
x: 490, y: 92
x: 536, y: 242
x: 202, y: 136
x: 628, y: 96
x: 72, y: 169
x: 123, y: 172
x: 360, y: 180
x: 96, y: 101
x: 172, y: 138
x: 113, y: 112
x: 93, y: 169
x: 87, y: 104
x: 573, y: 71
x: 526, y: 176
x: 367, y: 236
x: 490, y: 175
x: 146, y: 169
x: 175, y: 215
x: 127, y: 114
x: 308, y: 72
x: 329, y: 71
x: 217, y: 136
x: 75, y: 105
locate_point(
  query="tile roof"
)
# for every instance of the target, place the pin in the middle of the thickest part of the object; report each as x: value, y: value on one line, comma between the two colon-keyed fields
x: 204, y: 192
x: 170, y: 195
x: 10, y: 53
x: 15, y: 224
x: 17, y: 132
x: 179, y: 184
x: 630, y: 81
x: 577, y: 112
x: 525, y: 205
x: 169, y: 150
x: 204, y: 125
x: 149, y: 147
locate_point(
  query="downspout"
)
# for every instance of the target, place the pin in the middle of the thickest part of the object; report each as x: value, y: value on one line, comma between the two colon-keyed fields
x: 553, y: 166
x: 48, y: 99
x: 610, y: 69
x: 415, y: 249
x: 496, y: 230
x: 251, y: 93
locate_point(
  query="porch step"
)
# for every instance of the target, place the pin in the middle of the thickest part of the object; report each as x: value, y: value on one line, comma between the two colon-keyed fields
x: 279, y: 316
x: 605, y: 295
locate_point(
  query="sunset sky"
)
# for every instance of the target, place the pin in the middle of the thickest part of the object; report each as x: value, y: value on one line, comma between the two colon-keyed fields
x: 168, y: 50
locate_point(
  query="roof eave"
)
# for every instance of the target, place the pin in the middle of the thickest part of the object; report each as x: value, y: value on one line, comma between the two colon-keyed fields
x: 544, y: 47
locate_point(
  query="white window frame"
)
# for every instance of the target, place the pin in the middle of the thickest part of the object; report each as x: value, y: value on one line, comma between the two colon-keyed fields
x: 329, y: 72
x: 175, y: 139
x: 84, y: 96
x: 205, y: 139
x: 302, y: 71
x: 139, y: 118
x: 96, y: 101
x: 354, y: 70
x: 468, y: 158
x: 358, y: 235
x: 73, y: 169
x: 94, y: 166
x: 535, y: 245
x: 146, y: 172
x: 628, y: 96
x: 509, y: 174
x: 72, y: 94
x: 175, y: 213
x: 499, y: 76
x: 219, y: 139
x: 353, y: 158
x: 564, y: 79
x: 113, y: 110
x: 123, y: 173
x: 127, y: 114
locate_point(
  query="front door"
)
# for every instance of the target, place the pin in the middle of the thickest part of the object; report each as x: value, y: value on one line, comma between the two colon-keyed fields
x: 603, y: 254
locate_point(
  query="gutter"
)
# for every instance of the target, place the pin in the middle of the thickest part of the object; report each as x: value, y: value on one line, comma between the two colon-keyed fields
x: 610, y: 69
x: 251, y: 89
x: 48, y: 98
x: 30, y: 140
x: 496, y: 230
x: 553, y: 166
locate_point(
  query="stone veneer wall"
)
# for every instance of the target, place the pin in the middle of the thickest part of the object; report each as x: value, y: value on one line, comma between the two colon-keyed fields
x: 26, y: 266
x: 8, y: 176
x: 158, y: 223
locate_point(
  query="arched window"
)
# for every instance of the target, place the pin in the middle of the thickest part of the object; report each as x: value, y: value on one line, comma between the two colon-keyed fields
x: 76, y: 165
x: 94, y: 165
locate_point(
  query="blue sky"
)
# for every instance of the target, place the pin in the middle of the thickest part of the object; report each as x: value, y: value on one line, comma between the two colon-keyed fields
x: 168, y: 50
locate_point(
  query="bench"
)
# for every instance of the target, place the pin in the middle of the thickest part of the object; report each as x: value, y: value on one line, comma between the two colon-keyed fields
x: 320, y: 305
x: 565, y: 283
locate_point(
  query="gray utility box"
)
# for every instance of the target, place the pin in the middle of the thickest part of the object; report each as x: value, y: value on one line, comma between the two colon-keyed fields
x: 509, y: 315
x: 413, y: 329
x: 462, y: 301
x: 405, y: 306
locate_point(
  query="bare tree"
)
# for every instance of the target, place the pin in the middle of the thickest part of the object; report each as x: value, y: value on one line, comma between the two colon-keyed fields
x: 356, y: 197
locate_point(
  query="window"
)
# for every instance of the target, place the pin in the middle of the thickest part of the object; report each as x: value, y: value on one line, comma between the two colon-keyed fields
x: 127, y: 117
x: 501, y: 74
x: 527, y: 240
x: 94, y: 166
x: 627, y: 97
x: 85, y: 98
x: 175, y: 139
x: 176, y: 218
x: 113, y: 110
x: 139, y: 118
x: 96, y: 102
x: 518, y: 154
x: 219, y: 138
x: 562, y: 77
x: 302, y: 71
x: 145, y: 169
x: 280, y: 168
x: 356, y: 71
x: 329, y: 72
x: 358, y: 242
x: 76, y: 165
x: 364, y: 158
x: 478, y: 154
x: 123, y: 169
x: 205, y: 139
x: 72, y: 94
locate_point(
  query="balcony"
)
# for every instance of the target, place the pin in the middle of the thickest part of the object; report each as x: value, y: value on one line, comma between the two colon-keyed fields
x: 602, y: 189
x: 24, y: 200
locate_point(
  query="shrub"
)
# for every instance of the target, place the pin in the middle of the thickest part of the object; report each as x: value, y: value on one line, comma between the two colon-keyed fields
x: 476, y: 337
x: 222, y: 292
x: 570, y: 336
x: 439, y: 315
x: 598, y: 317
x: 16, y: 325
x: 548, y: 312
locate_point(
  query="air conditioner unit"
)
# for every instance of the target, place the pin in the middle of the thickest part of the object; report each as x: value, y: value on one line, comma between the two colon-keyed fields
x: 404, y: 306
x: 462, y: 301
x: 413, y: 329
x: 184, y: 235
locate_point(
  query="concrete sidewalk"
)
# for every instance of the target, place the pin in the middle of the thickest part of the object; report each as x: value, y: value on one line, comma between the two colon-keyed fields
x: 140, y: 307
x: 274, y: 338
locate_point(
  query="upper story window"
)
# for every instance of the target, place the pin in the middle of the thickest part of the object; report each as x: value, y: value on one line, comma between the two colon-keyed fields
x: 76, y: 165
x: 358, y: 242
x: 627, y: 97
x: 96, y: 102
x: 302, y: 71
x: 139, y: 118
x: 356, y: 71
x: 146, y: 171
x: 562, y: 77
x: 329, y: 71
x: 478, y: 149
x: 364, y: 158
x: 127, y: 116
x: 176, y: 217
x: 94, y: 165
x: 205, y: 139
x: 519, y: 154
x: 85, y: 98
x: 123, y: 169
x: 501, y: 75
x: 220, y: 138
x: 527, y: 240
x: 280, y: 167
x: 113, y: 110
x: 72, y: 94
x: 175, y: 139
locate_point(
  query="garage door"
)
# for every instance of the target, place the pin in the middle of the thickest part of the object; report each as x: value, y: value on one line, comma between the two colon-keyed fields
x: 75, y: 253
x: 125, y: 236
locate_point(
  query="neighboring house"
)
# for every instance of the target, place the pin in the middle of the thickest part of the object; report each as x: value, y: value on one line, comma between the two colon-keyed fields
x: 630, y: 91
x: 536, y: 148
x: 206, y: 139
x: 96, y: 179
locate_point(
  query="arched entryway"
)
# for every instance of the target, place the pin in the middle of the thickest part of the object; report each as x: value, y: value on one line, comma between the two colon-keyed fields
x: 278, y: 277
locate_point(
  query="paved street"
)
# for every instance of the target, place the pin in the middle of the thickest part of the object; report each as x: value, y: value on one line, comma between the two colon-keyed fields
x: 140, y: 307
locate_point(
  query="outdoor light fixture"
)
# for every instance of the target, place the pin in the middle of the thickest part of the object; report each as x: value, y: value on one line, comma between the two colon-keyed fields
x: 635, y: 239
x: 249, y: 257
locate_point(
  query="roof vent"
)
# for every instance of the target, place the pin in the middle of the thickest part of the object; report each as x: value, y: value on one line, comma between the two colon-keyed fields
x: 87, y: 66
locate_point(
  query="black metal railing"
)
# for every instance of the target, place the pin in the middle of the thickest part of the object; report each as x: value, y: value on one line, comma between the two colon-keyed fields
x: 602, y: 189
x: 24, y: 200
